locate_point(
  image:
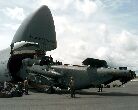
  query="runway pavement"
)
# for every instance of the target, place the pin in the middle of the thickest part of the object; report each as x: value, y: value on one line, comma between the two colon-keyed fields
x: 119, y: 98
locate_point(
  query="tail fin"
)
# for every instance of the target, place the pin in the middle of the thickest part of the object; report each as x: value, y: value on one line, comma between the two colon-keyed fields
x: 38, y: 28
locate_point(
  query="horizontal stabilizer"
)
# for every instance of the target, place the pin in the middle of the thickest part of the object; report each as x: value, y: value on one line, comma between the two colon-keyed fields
x: 38, y: 28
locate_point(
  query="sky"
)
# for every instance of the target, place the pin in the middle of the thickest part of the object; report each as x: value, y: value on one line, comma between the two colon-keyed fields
x: 103, y: 29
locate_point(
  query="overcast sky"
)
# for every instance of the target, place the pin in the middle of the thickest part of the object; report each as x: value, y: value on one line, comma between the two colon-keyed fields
x: 104, y: 29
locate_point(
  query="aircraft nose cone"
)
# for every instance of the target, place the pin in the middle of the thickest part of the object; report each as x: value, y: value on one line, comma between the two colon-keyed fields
x: 38, y: 28
x: 43, y: 8
x: 133, y: 74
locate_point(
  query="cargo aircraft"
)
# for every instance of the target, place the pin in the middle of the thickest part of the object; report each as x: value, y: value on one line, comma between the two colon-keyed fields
x: 35, y: 35
x: 26, y: 58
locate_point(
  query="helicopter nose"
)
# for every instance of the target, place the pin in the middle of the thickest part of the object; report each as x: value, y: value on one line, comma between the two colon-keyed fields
x: 133, y: 74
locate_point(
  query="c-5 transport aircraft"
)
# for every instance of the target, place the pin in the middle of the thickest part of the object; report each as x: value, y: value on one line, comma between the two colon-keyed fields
x: 35, y: 36
x: 38, y: 33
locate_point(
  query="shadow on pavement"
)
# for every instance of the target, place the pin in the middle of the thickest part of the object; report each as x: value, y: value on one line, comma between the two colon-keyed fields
x: 81, y: 92
x: 106, y: 94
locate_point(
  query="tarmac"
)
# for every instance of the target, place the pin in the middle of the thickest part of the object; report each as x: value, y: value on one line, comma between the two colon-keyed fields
x: 118, y: 98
